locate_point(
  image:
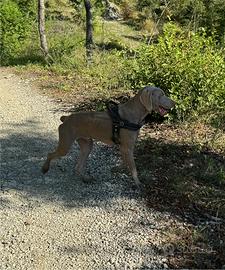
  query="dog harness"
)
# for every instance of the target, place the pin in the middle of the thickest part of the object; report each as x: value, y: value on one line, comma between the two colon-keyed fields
x: 118, y: 122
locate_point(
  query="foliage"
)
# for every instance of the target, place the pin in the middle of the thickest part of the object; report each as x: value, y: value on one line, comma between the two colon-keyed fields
x: 187, y: 65
x: 185, y: 61
x: 202, y: 13
x: 15, y: 28
x: 27, y: 7
x: 191, y: 14
x: 214, y: 20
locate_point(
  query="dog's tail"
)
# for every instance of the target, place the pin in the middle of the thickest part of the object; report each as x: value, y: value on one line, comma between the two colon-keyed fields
x: 63, y: 118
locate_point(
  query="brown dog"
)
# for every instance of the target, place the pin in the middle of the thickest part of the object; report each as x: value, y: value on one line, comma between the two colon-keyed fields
x: 86, y: 126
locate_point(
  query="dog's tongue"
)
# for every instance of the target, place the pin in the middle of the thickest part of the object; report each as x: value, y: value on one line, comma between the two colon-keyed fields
x: 162, y: 111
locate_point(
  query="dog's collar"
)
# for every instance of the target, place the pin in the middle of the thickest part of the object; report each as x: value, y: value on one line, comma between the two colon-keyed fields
x: 118, y: 122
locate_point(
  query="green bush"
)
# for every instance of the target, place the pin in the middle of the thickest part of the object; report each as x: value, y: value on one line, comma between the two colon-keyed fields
x: 188, y: 66
x: 14, y: 28
x: 27, y: 7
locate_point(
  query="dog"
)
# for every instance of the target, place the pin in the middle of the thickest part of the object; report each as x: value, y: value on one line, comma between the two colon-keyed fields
x: 84, y: 127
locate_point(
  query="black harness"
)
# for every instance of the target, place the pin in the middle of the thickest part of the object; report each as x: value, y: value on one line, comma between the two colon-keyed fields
x: 118, y: 122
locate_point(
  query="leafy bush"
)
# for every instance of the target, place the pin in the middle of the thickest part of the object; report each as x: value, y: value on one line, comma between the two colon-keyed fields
x: 188, y: 66
x: 27, y: 7
x: 15, y: 27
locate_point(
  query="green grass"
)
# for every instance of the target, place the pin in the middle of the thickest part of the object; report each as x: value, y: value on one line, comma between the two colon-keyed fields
x: 120, y: 32
x: 66, y: 41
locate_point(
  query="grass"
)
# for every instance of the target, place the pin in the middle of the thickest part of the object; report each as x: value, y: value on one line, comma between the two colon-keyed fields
x: 70, y: 71
x: 118, y: 32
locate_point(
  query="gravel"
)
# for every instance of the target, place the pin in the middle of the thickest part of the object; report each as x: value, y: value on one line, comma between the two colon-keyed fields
x: 56, y: 221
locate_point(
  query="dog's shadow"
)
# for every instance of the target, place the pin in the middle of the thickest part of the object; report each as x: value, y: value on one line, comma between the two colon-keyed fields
x: 23, y: 154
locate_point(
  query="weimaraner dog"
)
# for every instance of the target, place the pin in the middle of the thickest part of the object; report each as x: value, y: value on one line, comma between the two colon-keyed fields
x: 86, y: 126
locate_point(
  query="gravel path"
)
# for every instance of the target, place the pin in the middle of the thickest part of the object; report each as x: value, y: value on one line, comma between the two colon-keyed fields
x: 56, y: 221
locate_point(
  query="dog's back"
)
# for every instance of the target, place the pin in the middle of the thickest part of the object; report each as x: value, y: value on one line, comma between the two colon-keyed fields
x: 95, y: 125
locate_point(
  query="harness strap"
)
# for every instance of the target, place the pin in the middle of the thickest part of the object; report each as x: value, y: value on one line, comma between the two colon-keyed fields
x: 118, y: 122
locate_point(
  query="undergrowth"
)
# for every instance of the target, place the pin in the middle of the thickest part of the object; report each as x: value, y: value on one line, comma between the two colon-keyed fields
x: 188, y: 66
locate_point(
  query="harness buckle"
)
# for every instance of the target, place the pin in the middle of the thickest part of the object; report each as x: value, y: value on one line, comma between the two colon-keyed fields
x: 122, y: 124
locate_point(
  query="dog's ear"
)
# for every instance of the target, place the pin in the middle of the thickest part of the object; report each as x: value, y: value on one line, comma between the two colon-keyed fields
x: 146, y: 99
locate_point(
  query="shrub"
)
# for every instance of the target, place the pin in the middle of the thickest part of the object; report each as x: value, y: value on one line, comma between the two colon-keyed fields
x: 188, y: 66
x: 15, y: 27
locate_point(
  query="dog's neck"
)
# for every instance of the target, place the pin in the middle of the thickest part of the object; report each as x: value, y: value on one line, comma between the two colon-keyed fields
x: 133, y: 110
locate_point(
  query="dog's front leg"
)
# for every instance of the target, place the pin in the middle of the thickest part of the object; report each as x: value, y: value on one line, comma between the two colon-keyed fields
x: 85, y: 149
x: 128, y: 159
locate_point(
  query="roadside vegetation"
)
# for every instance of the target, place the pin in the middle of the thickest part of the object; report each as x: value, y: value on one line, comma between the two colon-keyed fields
x: 176, y: 45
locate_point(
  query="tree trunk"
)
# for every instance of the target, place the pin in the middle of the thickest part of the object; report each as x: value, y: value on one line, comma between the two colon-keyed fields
x: 89, y: 30
x: 41, y: 28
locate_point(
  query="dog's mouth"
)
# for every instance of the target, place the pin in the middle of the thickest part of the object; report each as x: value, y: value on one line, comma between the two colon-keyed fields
x: 163, y: 111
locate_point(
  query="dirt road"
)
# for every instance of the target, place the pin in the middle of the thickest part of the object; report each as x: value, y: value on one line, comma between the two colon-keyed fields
x: 56, y: 221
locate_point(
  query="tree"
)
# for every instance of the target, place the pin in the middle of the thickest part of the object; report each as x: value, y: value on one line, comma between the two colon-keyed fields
x: 41, y: 28
x: 89, y: 30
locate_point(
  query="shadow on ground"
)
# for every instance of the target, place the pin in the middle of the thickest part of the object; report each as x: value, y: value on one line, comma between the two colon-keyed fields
x: 23, y: 154
x: 27, y: 58
x: 187, y: 182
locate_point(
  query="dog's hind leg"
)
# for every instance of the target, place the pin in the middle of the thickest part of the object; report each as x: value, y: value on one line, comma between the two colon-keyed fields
x: 66, y: 139
x: 86, y: 146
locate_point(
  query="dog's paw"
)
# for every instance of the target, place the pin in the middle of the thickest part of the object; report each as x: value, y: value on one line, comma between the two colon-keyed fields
x: 138, y: 187
x: 118, y: 169
x: 87, y: 179
x: 44, y: 169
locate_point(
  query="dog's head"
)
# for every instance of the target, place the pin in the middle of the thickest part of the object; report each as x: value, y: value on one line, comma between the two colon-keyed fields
x: 154, y: 99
